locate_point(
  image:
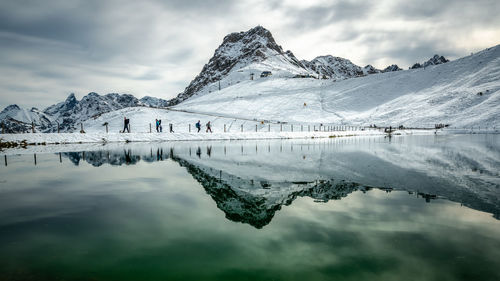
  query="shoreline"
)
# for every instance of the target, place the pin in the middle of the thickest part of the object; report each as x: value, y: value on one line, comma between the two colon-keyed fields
x: 17, y: 142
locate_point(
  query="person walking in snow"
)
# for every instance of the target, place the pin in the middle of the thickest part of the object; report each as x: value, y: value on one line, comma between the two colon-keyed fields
x: 209, y: 127
x: 171, y: 126
x: 198, y: 126
x: 157, y: 126
x: 126, y: 124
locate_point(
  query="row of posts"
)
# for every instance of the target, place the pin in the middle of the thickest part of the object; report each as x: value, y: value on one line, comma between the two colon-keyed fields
x: 321, y: 128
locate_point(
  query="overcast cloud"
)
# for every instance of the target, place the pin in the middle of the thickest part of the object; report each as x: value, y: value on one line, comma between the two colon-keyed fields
x: 49, y: 49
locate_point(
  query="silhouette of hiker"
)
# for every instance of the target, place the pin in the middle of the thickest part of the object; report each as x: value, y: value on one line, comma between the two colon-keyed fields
x: 126, y: 124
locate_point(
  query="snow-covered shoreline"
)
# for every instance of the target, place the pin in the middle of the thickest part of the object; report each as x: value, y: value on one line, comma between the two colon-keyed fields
x: 65, y: 138
x: 95, y: 137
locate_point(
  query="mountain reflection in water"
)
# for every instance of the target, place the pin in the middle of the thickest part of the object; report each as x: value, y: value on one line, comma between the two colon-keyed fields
x: 250, y: 181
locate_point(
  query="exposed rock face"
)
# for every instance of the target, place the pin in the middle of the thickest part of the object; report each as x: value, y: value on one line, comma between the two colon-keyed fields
x: 369, y: 69
x: 393, y: 67
x: 435, y: 60
x: 416, y: 65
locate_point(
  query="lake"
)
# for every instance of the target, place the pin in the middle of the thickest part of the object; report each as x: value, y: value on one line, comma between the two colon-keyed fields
x: 361, y: 208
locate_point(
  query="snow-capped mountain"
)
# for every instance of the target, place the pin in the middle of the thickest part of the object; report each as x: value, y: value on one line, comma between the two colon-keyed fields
x: 369, y: 69
x: 462, y: 93
x: 16, y: 119
x: 245, y: 55
x: 393, y: 67
x: 71, y: 112
x: 153, y: 102
x: 334, y: 67
x: 241, y: 54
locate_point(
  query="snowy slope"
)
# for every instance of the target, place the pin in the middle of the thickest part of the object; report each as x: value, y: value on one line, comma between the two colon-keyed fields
x: 464, y: 92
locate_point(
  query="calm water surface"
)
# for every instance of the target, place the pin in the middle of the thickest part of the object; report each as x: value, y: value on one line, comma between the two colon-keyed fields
x: 406, y: 208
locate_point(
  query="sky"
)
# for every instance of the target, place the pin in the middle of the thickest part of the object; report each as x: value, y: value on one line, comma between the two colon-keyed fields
x: 51, y: 48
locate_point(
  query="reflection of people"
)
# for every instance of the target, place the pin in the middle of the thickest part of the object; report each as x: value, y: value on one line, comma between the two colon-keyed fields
x: 128, y: 159
x: 159, y: 154
x: 198, y: 152
x: 126, y: 124
x: 209, y: 151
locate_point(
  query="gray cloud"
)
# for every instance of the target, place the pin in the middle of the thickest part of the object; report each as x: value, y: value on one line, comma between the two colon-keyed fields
x: 326, y: 14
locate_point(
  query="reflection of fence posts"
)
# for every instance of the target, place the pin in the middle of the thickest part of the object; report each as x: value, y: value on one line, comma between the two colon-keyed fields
x: 105, y: 124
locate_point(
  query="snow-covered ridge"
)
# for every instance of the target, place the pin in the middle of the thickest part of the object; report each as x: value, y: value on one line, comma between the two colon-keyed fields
x: 461, y: 93
x: 67, y: 115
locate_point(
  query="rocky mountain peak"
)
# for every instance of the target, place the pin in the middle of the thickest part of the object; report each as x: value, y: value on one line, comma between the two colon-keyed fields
x: 10, y: 108
x: 336, y: 68
x: 237, y: 49
x: 435, y: 60
x: 370, y: 69
x: 393, y: 67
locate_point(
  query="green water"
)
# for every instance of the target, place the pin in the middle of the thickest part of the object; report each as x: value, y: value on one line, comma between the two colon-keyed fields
x: 166, y: 212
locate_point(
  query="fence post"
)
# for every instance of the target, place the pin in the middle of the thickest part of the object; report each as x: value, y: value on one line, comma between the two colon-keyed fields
x: 269, y: 128
x: 281, y: 127
x: 149, y: 128
x: 107, y: 127
x: 301, y: 128
x: 314, y: 128
x: 190, y: 127
x: 33, y: 127
x: 224, y: 128
x: 255, y: 127
x: 3, y: 128
x: 291, y: 126
x: 242, y: 128
x: 308, y: 128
